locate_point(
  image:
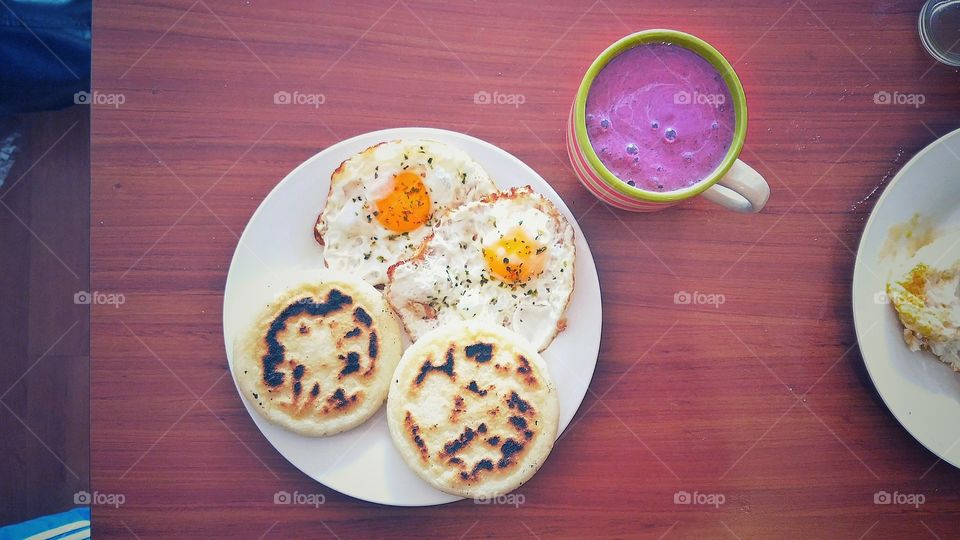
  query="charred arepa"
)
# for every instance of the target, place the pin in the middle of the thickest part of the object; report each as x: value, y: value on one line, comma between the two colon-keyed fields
x: 472, y: 409
x: 319, y: 358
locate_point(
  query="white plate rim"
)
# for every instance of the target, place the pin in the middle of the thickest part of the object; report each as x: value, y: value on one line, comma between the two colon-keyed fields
x: 584, y: 255
x: 856, y: 291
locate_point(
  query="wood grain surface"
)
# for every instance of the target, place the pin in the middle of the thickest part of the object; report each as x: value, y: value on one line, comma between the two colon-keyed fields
x: 763, y: 399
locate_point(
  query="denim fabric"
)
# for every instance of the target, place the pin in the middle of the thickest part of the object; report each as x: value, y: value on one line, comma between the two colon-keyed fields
x: 44, y: 54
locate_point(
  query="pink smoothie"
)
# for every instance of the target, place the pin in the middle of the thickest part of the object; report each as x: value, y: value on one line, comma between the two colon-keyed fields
x: 660, y: 117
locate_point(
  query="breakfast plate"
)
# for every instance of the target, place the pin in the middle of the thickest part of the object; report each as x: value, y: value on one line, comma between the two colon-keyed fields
x: 921, y: 392
x: 278, y: 249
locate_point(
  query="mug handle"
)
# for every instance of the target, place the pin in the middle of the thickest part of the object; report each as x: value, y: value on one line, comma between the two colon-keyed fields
x: 742, y: 189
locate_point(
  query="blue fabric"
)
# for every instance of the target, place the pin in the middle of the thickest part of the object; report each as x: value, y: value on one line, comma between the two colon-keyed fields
x: 44, y: 54
x: 44, y: 523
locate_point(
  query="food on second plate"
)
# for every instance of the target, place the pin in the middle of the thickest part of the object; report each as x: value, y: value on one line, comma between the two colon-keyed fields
x: 507, y: 258
x: 472, y: 409
x: 384, y: 201
x: 926, y: 295
x: 906, y: 238
x: 319, y: 359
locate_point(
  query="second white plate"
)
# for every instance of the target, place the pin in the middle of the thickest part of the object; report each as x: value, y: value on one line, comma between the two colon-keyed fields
x: 920, y: 391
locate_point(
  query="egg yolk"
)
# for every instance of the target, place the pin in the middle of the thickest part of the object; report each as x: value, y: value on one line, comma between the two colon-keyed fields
x: 407, y: 206
x: 515, y: 258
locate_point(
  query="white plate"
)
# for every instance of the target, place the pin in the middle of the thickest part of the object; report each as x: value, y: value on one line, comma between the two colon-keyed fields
x: 277, y: 248
x: 921, y: 392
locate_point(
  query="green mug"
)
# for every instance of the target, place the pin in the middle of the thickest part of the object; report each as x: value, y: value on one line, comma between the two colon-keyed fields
x: 733, y: 184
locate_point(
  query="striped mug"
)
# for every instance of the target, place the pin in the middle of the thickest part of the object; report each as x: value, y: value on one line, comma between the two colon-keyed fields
x: 732, y: 184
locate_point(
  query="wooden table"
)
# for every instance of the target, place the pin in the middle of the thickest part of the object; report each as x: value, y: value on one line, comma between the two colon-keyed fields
x: 763, y: 399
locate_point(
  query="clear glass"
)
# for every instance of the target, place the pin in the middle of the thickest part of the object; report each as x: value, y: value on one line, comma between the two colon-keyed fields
x: 939, y: 27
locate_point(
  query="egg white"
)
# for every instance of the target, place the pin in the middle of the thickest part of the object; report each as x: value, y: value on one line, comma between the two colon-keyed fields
x: 354, y: 240
x: 451, y: 281
x: 931, y: 315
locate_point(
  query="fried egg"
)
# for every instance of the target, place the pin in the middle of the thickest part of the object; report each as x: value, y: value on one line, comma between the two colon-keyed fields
x: 507, y: 258
x: 385, y: 200
x: 926, y: 295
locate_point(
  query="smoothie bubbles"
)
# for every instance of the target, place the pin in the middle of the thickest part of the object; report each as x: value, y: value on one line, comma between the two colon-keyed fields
x: 660, y: 117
